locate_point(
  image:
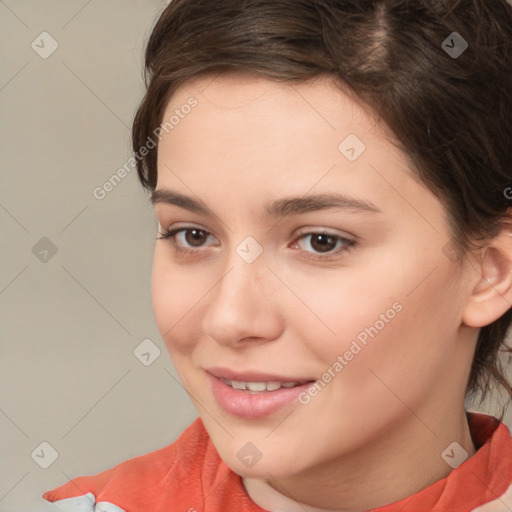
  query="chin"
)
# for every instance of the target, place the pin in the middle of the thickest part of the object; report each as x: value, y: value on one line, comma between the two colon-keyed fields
x: 262, y: 469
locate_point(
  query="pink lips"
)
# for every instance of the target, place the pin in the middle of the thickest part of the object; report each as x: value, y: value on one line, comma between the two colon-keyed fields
x: 248, y: 405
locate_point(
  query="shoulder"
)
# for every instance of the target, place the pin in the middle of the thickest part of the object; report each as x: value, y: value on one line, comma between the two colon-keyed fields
x: 142, y: 482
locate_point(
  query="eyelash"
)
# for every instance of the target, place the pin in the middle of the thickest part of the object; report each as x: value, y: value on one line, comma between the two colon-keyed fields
x: 348, y: 243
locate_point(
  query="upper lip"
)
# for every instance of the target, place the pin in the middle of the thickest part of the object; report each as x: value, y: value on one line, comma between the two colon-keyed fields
x: 252, y: 376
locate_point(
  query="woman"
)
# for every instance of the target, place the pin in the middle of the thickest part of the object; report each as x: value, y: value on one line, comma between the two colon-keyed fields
x: 333, y: 271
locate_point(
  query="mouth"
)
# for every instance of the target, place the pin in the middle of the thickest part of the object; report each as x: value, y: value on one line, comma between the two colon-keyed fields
x: 255, y: 395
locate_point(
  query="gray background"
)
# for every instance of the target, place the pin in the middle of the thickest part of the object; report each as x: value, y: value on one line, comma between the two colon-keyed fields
x: 70, y: 325
x: 72, y: 320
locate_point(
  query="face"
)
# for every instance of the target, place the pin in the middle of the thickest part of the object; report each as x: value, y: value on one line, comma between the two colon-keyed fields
x: 306, y: 260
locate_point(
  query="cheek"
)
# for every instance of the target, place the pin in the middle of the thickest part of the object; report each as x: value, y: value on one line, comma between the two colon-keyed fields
x: 423, y: 337
x: 387, y: 318
x: 176, y: 296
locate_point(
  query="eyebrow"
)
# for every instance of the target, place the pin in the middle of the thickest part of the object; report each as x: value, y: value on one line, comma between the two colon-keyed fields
x: 278, y: 208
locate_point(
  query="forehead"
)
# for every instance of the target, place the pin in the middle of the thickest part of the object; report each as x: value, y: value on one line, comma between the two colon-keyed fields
x: 258, y: 137
x: 242, y: 92
x: 252, y: 114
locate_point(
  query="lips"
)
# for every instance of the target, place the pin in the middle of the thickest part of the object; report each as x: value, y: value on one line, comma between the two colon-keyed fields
x: 253, y: 395
x: 254, y: 376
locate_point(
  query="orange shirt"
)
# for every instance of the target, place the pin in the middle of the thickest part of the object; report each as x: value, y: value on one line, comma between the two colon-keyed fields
x: 189, y: 476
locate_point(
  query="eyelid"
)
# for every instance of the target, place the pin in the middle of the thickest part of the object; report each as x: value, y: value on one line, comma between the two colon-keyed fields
x: 183, y: 225
x: 326, y: 231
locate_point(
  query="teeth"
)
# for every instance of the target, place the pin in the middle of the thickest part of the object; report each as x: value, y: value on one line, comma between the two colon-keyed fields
x: 259, y: 387
x: 256, y: 386
x: 272, y: 386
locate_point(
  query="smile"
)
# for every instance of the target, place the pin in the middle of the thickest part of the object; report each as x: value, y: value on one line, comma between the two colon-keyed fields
x: 260, y: 387
x: 255, y: 399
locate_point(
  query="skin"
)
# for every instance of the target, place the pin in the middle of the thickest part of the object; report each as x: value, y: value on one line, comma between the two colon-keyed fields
x: 375, y: 433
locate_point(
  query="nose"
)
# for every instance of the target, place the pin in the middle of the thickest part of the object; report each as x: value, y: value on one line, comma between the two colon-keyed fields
x: 244, y: 305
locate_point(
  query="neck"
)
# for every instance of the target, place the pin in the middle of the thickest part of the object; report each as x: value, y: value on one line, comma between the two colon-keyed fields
x: 405, y: 459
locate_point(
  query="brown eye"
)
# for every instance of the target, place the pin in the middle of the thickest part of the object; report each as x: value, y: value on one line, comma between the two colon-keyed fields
x: 323, y: 245
x: 323, y: 242
x: 195, y: 237
x: 186, y: 239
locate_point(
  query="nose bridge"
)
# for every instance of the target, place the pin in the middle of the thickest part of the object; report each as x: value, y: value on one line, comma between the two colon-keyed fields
x: 246, y: 263
x: 243, y: 302
x: 246, y: 274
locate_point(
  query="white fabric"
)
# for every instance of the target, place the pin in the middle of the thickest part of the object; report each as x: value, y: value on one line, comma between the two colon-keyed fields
x: 502, y: 504
x: 85, y: 503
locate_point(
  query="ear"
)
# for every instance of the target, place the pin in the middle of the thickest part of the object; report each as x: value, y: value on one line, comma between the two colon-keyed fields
x: 491, y: 296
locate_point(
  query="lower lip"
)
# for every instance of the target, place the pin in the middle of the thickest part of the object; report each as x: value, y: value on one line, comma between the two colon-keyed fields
x: 253, y: 405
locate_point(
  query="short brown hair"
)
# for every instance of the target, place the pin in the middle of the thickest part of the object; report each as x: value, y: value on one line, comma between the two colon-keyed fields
x: 451, y: 114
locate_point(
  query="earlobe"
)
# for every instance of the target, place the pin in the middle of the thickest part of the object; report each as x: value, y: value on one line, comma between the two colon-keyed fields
x: 491, y: 295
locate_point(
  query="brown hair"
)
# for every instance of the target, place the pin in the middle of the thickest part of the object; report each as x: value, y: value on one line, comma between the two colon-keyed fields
x: 450, y: 113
